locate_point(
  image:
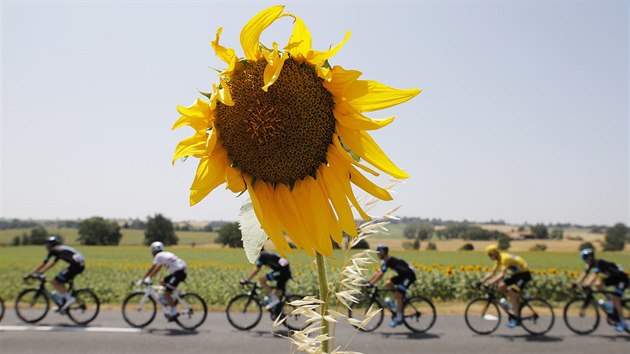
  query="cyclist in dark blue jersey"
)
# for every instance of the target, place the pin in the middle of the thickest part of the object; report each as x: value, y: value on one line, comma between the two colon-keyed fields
x: 76, y: 263
x: 280, y: 273
x: 406, y: 276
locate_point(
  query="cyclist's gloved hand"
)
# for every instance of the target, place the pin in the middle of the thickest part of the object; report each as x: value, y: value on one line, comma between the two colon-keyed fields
x: 477, y: 285
x: 369, y: 285
x: 574, y: 285
x: 243, y: 281
x: 146, y: 281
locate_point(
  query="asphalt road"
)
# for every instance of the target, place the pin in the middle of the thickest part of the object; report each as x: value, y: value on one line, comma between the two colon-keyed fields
x: 110, y: 334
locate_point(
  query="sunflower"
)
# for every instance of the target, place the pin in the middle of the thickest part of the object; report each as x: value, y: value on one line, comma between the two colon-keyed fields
x: 288, y: 129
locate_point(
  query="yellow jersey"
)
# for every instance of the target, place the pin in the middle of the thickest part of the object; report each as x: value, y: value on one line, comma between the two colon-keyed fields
x: 511, y: 262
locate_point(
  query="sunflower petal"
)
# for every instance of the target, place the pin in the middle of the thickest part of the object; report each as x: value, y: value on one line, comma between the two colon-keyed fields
x: 314, y: 212
x: 300, y: 42
x: 265, y: 209
x: 318, y: 58
x: 292, y: 219
x: 250, y: 35
x: 344, y: 155
x: 234, y: 180
x: 369, y: 96
x: 361, y: 143
x: 343, y: 177
x: 274, y: 66
x: 198, y: 115
x: 360, y: 181
x: 226, y: 54
x: 360, y: 122
x: 210, y: 174
x: 334, y: 227
x: 192, y: 146
x: 340, y: 78
x: 339, y: 201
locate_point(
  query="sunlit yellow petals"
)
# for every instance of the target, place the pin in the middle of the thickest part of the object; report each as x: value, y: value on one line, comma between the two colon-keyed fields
x: 250, y: 35
x: 274, y: 66
x: 344, y: 155
x: 339, y: 201
x: 234, y: 180
x: 358, y: 121
x: 210, y: 174
x: 334, y: 227
x: 318, y: 58
x: 265, y: 209
x: 361, y: 143
x: 340, y: 78
x: 226, y: 54
x: 191, y: 146
x: 291, y: 218
x: 198, y: 115
x: 300, y: 42
x: 314, y: 207
x: 369, y: 96
x: 360, y: 181
x: 224, y: 93
x: 212, y: 142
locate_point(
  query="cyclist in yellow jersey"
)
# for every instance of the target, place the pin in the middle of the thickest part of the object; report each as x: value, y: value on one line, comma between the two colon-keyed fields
x: 518, y: 275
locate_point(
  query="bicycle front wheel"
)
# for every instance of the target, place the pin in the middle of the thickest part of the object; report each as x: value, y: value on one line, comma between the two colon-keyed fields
x: 581, y: 316
x: 243, y: 312
x: 138, y: 309
x: 626, y: 312
x: 85, y: 309
x: 419, y: 314
x: 482, y: 316
x: 192, y: 311
x: 294, y: 322
x: 537, y: 316
x: 359, y: 311
x: 1, y: 308
x: 32, y: 305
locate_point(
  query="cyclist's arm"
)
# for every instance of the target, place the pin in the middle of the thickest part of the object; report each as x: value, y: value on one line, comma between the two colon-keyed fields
x: 590, y: 280
x: 581, y: 278
x: 489, y: 275
x: 496, y: 279
x: 43, y: 268
x: 252, y: 274
x: 376, y: 277
x: 153, y: 270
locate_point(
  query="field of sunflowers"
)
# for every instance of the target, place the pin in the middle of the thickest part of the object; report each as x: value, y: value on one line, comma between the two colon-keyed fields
x: 214, y: 273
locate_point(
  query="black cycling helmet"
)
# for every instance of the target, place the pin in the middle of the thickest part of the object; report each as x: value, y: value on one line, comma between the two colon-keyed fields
x: 587, y: 253
x: 53, y: 240
x: 382, y: 248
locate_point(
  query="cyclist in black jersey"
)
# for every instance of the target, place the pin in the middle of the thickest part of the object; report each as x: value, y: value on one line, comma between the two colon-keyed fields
x: 280, y: 272
x: 605, y: 274
x: 406, y: 276
x: 69, y: 255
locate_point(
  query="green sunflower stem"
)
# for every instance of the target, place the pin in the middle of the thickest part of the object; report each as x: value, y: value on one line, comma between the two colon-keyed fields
x: 323, y: 295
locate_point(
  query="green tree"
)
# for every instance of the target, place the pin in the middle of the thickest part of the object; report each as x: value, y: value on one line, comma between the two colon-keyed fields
x: 98, y: 231
x: 503, y: 242
x: 557, y: 234
x: 586, y: 245
x: 159, y: 228
x: 230, y: 235
x: 540, y: 231
x: 38, y: 235
x: 615, y: 238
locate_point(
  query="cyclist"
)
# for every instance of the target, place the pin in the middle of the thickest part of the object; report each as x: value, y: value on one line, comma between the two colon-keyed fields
x: 76, y: 266
x: 406, y: 275
x: 605, y: 274
x: 280, y: 272
x: 177, y: 273
x: 514, y: 283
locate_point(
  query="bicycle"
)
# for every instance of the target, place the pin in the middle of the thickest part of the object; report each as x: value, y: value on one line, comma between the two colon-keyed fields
x: 139, y: 308
x: 33, y: 304
x: 581, y: 313
x: 244, y: 311
x: 483, y: 316
x: 1, y: 308
x: 419, y: 313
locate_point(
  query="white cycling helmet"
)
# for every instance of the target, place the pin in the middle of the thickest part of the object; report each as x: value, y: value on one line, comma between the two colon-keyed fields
x: 157, y: 246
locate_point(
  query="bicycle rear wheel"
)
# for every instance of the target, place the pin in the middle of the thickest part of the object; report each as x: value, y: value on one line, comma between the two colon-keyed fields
x: 419, y: 314
x: 244, y: 312
x: 1, y: 308
x: 626, y: 312
x: 32, y: 305
x: 359, y: 311
x: 138, y: 309
x: 581, y: 316
x: 85, y: 309
x: 482, y: 316
x: 294, y: 322
x: 192, y: 311
x: 537, y: 316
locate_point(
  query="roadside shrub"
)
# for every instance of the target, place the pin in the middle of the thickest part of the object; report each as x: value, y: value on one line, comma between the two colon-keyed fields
x: 539, y: 247
x: 467, y: 247
x: 431, y: 246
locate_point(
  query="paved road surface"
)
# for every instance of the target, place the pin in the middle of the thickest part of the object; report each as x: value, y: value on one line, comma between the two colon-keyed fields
x: 110, y: 334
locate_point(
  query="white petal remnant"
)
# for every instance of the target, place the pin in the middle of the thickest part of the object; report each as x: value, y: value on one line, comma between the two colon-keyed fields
x: 253, y: 235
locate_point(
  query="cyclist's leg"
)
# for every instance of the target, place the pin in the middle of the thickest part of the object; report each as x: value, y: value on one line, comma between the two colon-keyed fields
x: 620, y: 284
x: 64, y: 277
x: 171, y: 282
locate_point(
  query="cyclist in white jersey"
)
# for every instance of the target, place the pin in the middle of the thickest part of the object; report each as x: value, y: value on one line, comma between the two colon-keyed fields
x: 177, y: 273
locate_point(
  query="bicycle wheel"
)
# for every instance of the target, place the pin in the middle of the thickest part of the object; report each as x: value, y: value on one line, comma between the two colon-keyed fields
x: 293, y: 322
x: 244, y: 312
x: 537, y: 316
x: 192, y: 311
x: 626, y: 312
x: 419, y: 314
x: 360, y: 309
x: 32, y: 305
x: 482, y: 316
x: 581, y: 316
x: 85, y: 309
x: 1, y: 308
x: 138, y: 309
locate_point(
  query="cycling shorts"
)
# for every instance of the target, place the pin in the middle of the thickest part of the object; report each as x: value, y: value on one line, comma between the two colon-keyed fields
x: 172, y: 280
x: 619, y: 282
x: 69, y: 273
x: 281, y: 277
x: 518, y: 281
x: 403, y: 282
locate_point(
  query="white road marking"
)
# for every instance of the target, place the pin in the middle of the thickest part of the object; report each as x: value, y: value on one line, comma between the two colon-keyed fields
x: 70, y: 329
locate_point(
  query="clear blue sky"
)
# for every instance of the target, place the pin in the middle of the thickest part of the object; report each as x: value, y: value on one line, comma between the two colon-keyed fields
x: 523, y: 115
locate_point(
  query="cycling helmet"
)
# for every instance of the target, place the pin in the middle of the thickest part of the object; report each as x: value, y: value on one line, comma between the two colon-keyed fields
x: 382, y: 249
x: 492, y: 249
x: 53, y: 240
x: 157, y: 246
x: 587, y: 253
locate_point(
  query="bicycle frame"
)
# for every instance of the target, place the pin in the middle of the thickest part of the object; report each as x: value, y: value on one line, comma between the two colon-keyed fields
x: 155, y: 290
x: 588, y: 295
x: 42, y: 286
x: 374, y: 294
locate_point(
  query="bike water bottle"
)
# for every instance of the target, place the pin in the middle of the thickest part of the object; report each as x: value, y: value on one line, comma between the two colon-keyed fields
x: 58, y: 299
x: 266, y: 300
x: 163, y: 300
x: 505, y: 304
x: 391, y: 303
x: 608, y: 306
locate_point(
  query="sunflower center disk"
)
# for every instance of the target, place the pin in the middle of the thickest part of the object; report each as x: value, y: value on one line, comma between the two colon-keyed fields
x: 282, y: 135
